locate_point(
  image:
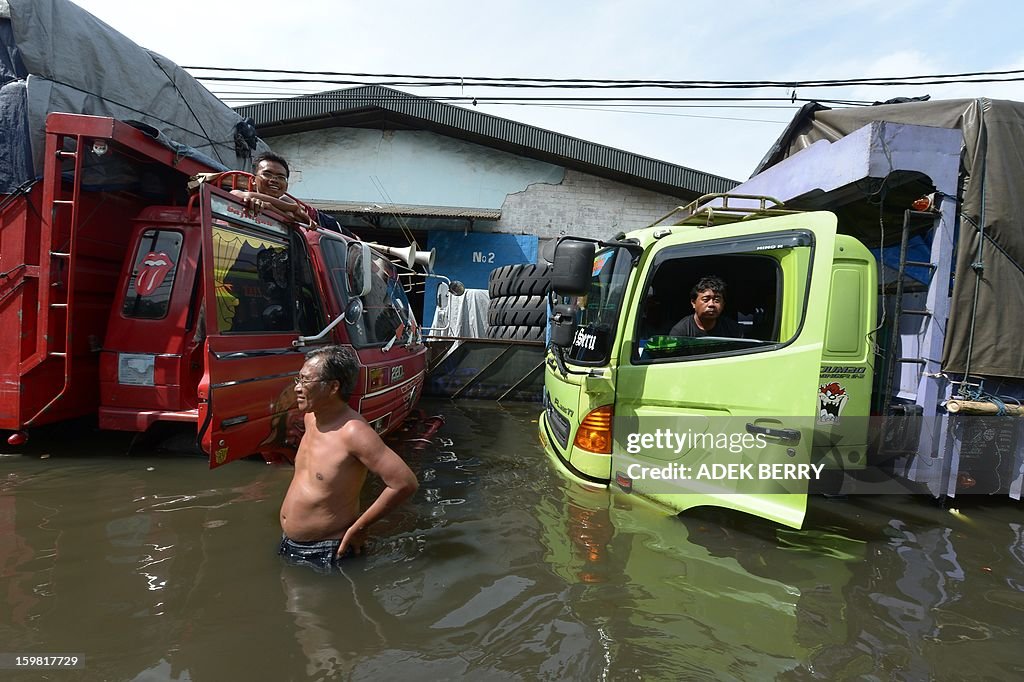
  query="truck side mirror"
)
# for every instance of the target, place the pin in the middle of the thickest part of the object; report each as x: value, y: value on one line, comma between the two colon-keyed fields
x: 357, y: 269
x: 354, y: 311
x: 573, y: 267
x: 442, y: 295
x: 563, y: 323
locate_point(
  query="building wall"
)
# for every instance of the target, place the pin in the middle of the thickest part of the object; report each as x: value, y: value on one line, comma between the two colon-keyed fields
x: 583, y: 205
x: 405, y: 167
x: 424, y: 168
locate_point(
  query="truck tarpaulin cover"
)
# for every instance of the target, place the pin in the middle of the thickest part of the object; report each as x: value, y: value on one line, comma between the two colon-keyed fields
x: 992, y: 166
x: 56, y: 57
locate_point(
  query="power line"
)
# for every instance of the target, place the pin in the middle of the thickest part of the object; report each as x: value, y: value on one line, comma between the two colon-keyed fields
x: 480, y: 99
x: 658, y: 113
x: 567, y: 103
x: 573, y: 83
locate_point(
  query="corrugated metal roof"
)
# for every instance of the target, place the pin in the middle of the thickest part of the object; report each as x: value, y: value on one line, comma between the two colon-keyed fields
x: 365, y: 106
x: 364, y: 208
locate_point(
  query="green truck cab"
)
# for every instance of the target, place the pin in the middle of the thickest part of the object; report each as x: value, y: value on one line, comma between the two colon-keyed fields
x: 745, y: 423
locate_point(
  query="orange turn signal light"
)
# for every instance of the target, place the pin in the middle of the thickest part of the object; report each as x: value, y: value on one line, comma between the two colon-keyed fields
x: 595, y: 432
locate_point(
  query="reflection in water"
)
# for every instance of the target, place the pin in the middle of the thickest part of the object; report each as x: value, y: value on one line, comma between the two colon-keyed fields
x: 156, y: 568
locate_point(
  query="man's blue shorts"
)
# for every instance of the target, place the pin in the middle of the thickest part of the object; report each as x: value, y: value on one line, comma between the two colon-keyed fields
x: 320, y: 555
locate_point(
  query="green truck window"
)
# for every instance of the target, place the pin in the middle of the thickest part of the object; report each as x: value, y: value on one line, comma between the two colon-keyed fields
x: 763, y: 304
x: 600, y: 308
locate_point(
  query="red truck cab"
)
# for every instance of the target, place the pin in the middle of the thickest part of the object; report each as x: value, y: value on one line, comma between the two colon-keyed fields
x: 185, y: 308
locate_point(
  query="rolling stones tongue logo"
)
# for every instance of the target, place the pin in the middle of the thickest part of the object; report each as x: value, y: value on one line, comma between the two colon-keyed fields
x: 152, y: 272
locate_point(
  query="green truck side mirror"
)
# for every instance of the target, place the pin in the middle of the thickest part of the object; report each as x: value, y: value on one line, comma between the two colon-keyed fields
x: 573, y: 267
x: 563, y: 323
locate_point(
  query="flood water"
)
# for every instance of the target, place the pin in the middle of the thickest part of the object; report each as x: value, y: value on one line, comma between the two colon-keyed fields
x: 152, y: 567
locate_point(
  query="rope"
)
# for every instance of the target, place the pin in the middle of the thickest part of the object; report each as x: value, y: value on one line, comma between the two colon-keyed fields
x: 978, y: 395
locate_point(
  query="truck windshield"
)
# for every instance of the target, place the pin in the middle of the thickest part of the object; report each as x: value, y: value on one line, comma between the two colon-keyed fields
x: 386, y: 314
x: 599, y: 309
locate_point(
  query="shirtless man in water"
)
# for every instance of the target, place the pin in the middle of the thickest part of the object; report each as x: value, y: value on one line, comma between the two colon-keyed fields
x: 272, y: 173
x: 320, y: 517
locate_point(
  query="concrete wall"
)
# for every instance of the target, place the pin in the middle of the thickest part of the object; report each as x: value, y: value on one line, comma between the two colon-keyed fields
x: 405, y: 167
x: 583, y: 205
x: 424, y: 168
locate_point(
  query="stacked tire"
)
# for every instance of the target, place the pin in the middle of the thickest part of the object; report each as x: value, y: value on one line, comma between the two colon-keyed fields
x: 518, y: 306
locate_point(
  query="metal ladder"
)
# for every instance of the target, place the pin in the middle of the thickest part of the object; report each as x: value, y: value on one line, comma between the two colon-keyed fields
x: 932, y: 386
x: 57, y: 262
x: 899, y: 312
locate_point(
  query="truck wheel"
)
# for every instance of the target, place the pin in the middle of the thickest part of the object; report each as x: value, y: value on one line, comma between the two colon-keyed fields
x: 529, y: 311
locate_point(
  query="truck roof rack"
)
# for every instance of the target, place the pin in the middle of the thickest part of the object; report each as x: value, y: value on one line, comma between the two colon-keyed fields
x: 702, y: 214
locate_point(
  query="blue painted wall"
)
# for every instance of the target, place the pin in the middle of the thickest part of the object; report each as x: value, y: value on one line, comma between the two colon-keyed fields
x: 471, y: 257
x: 406, y: 167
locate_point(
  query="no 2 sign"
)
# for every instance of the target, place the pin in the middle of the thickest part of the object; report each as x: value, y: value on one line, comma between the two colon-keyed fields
x: 481, y: 257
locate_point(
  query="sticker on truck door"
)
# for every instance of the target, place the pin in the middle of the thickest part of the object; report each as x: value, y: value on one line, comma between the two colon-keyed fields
x: 152, y: 273
x: 832, y: 398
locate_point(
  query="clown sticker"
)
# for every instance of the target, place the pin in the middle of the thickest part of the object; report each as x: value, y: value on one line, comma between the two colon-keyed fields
x: 832, y: 399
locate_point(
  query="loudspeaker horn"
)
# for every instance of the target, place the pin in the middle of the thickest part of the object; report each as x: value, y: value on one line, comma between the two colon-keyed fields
x: 426, y: 259
x: 406, y: 255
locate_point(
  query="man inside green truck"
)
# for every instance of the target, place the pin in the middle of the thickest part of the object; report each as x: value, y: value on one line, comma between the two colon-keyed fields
x: 708, y: 300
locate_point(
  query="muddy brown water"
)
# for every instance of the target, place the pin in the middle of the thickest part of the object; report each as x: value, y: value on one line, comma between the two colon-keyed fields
x: 152, y: 567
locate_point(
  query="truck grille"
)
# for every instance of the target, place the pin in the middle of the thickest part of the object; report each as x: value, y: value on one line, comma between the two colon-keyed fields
x: 557, y: 424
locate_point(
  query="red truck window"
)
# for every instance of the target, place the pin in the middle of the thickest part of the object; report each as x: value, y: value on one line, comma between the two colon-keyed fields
x: 253, y: 281
x: 386, y: 312
x: 152, y: 279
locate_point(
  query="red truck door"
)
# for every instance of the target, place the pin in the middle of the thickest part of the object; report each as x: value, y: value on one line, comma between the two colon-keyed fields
x: 259, y: 296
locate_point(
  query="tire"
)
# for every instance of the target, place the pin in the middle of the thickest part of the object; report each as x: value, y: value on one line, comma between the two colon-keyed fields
x: 532, y: 280
x: 500, y: 281
x: 528, y: 311
x: 516, y: 333
x: 522, y: 279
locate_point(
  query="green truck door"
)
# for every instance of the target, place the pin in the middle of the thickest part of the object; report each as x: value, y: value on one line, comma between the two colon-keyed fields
x: 727, y: 422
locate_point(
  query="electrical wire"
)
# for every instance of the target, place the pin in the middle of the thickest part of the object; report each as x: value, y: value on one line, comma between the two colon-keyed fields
x: 515, y: 81
x: 407, y: 97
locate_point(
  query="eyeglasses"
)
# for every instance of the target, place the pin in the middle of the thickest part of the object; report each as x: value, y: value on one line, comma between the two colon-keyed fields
x: 273, y: 176
x: 305, y: 382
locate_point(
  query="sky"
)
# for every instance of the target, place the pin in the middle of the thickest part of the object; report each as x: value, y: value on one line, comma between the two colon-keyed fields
x: 681, y: 40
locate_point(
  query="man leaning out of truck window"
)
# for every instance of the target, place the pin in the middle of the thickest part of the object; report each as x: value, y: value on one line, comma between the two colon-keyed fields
x: 271, y: 171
